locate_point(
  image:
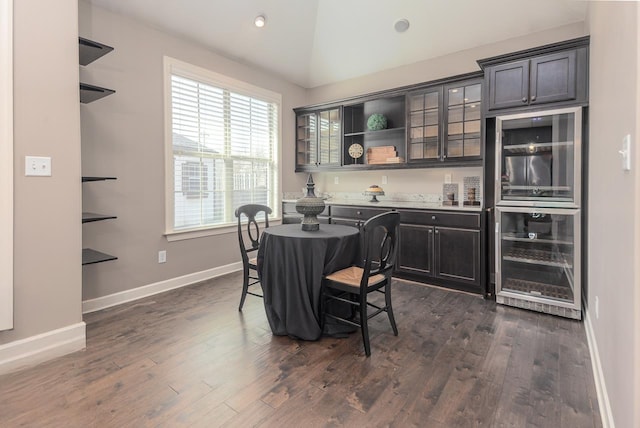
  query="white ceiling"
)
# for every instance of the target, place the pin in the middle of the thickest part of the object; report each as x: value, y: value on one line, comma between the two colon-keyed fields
x: 316, y: 42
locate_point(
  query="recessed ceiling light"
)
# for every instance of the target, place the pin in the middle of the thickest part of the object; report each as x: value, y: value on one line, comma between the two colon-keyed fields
x: 401, y: 25
x: 260, y: 21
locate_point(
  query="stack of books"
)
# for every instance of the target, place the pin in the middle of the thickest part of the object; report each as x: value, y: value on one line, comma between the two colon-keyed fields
x: 383, y: 154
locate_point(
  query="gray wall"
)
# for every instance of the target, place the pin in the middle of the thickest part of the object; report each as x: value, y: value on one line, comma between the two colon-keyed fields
x: 614, y: 217
x: 47, y: 228
x: 123, y: 135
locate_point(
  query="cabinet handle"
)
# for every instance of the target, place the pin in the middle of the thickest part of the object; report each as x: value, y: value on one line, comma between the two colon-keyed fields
x: 533, y: 98
x: 524, y: 99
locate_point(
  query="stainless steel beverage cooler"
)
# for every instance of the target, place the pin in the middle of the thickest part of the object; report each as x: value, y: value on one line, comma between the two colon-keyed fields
x: 538, y: 196
x: 538, y: 263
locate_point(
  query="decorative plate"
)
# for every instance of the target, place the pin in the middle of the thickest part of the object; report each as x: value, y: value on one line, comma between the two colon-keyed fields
x: 356, y: 150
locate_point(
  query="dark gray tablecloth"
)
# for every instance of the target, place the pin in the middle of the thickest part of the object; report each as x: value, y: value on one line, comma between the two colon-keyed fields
x: 291, y: 263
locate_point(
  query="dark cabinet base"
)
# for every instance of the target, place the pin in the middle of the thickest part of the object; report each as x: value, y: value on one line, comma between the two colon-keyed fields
x: 442, y: 248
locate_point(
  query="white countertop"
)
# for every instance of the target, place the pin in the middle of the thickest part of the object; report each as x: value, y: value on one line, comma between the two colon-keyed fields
x: 399, y: 204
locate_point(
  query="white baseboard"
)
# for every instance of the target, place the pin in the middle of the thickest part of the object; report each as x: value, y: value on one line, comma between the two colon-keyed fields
x: 110, y: 300
x: 42, y: 347
x: 601, y: 389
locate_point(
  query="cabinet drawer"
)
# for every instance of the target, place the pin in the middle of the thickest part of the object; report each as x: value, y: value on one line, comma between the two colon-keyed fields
x: 440, y: 218
x: 359, y: 213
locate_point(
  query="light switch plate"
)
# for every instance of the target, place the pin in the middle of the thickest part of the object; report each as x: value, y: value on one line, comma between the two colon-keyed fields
x: 626, y: 153
x: 447, y: 179
x: 38, y: 166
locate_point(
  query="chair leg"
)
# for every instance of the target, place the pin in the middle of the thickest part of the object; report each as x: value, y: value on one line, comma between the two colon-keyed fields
x: 245, y: 287
x: 364, y: 326
x: 387, y: 301
x: 323, y: 309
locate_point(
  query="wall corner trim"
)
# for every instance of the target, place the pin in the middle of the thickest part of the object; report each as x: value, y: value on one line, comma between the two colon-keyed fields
x: 598, y: 375
x: 42, y: 347
x: 115, y: 299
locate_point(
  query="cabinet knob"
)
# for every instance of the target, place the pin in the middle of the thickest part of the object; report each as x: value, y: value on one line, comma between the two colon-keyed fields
x: 430, y: 231
x: 359, y: 212
x: 437, y: 231
x: 533, y: 98
x: 433, y: 217
x: 524, y: 99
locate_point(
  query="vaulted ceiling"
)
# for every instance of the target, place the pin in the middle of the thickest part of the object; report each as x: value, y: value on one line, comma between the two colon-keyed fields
x: 317, y: 42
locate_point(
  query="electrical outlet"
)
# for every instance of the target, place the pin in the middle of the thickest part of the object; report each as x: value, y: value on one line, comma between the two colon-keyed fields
x: 336, y: 180
x: 597, y: 308
x: 384, y: 179
x: 162, y: 256
x: 37, y: 166
x: 447, y: 179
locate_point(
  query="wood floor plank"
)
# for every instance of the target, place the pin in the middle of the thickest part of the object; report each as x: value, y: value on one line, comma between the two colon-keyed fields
x: 188, y: 357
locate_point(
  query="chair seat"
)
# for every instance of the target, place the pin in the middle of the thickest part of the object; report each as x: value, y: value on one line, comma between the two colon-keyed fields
x: 352, y: 276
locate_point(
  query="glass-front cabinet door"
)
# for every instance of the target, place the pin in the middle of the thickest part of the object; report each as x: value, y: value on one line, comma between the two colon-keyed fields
x: 463, y: 131
x: 424, y: 125
x: 538, y: 256
x: 539, y: 158
x: 306, y: 139
x: 329, y: 137
x: 318, y: 138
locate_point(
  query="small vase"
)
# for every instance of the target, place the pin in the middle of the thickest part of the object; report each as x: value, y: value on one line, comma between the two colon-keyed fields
x: 310, y: 206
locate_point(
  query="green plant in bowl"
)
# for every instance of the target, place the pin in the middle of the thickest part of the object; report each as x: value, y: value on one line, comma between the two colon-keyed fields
x: 376, y: 122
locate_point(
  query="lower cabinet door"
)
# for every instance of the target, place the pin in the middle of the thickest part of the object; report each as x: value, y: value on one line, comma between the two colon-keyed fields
x: 415, y: 253
x: 457, y: 255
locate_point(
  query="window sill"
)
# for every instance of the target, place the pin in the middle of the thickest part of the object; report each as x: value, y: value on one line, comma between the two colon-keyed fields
x: 210, y: 231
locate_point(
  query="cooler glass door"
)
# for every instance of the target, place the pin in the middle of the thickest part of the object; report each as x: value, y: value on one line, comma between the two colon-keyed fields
x: 538, y: 254
x: 538, y: 158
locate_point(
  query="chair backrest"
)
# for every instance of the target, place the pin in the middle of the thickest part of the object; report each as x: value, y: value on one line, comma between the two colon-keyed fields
x: 251, y: 211
x: 379, y: 246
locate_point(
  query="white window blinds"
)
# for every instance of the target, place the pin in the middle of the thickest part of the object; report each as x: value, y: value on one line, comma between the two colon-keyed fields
x: 224, y: 146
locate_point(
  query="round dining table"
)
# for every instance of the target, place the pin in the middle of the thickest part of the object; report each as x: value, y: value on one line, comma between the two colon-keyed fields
x: 291, y: 264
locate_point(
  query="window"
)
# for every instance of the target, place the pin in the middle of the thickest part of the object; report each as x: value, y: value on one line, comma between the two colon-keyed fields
x: 222, y: 150
x: 194, y: 180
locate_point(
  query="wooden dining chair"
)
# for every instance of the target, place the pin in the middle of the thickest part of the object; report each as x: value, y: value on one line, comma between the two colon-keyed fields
x: 353, y: 284
x: 250, y: 245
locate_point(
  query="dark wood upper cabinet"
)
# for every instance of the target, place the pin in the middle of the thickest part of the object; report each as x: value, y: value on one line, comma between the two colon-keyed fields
x: 429, y: 124
x: 553, y: 78
x: 318, y: 138
x: 508, y: 85
x: 556, y: 73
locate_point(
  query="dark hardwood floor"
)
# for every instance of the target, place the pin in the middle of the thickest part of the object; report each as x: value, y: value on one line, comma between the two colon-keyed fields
x: 189, y: 358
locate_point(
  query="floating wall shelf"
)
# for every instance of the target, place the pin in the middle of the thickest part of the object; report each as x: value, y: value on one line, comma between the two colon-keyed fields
x: 89, y: 217
x: 90, y: 93
x: 91, y: 51
x: 90, y: 257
